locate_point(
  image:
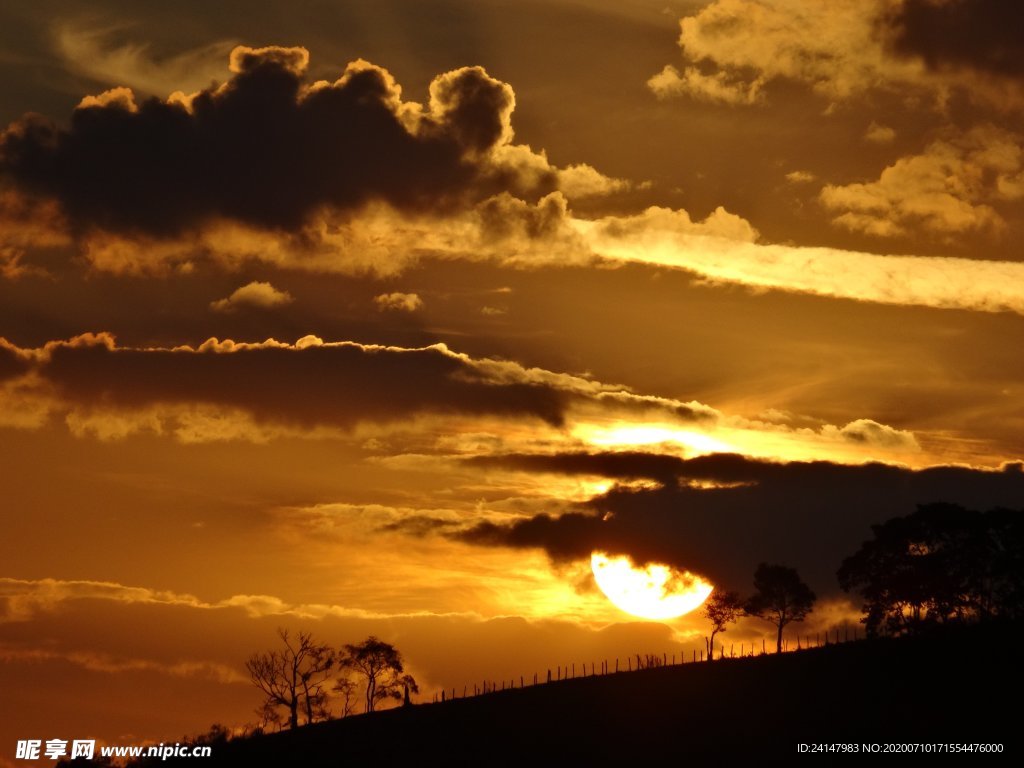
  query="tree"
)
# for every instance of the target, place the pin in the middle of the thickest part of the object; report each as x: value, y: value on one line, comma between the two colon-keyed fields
x: 380, y: 664
x: 781, y: 597
x: 293, y: 678
x: 940, y: 564
x: 345, y: 688
x: 721, y: 609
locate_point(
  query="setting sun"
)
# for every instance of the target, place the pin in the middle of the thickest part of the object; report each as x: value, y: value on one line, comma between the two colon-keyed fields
x: 657, y: 592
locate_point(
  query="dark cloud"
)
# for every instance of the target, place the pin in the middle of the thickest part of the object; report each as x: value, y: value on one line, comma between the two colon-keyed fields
x: 11, y: 362
x: 306, y: 384
x: 625, y: 465
x: 727, y: 513
x: 225, y: 389
x: 268, y: 149
x: 984, y: 35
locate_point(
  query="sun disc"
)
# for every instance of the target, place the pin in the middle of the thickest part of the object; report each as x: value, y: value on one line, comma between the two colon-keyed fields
x: 656, y: 591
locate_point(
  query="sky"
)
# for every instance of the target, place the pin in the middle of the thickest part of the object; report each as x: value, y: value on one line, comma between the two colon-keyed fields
x: 380, y: 317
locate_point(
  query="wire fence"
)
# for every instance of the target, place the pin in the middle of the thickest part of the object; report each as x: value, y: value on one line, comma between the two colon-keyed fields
x: 572, y: 671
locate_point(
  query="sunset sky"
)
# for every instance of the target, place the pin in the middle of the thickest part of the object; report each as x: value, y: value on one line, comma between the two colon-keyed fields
x: 380, y: 316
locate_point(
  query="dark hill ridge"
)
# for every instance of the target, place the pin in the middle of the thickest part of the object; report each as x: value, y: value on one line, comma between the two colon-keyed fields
x: 931, y: 689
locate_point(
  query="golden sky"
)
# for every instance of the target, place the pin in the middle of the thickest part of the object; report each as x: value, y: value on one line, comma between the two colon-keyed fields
x: 381, y: 317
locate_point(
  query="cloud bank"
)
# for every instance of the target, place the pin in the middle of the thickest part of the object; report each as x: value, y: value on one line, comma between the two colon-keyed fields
x: 719, y: 515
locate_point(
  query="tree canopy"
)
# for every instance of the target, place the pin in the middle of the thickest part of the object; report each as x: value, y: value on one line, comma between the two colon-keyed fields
x: 292, y: 678
x: 942, y: 563
x: 780, y: 597
x: 721, y: 609
x: 296, y: 679
x: 380, y: 664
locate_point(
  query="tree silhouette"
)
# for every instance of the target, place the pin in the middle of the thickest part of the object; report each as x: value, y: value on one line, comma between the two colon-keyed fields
x: 940, y: 564
x: 293, y: 678
x: 721, y: 609
x: 380, y: 664
x: 345, y: 687
x: 781, y: 597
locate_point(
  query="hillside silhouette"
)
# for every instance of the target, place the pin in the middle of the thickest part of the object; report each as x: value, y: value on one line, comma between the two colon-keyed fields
x: 931, y: 688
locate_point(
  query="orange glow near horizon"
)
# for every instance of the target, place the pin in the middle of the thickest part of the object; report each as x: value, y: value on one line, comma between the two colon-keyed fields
x: 657, y: 592
x: 626, y: 435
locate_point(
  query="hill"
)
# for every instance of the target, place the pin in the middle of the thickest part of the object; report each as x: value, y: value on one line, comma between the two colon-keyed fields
x: 937, y: 689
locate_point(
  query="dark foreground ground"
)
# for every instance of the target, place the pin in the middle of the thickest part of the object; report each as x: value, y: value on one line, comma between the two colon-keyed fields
x: 936, y: 690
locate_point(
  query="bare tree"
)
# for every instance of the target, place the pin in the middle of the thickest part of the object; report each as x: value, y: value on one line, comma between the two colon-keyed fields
x: 269, y: 717
x: 346, y: 688
x: 781, y: 597
x: 293, y: 678
x: 380, y: 664
x: 721, y: 609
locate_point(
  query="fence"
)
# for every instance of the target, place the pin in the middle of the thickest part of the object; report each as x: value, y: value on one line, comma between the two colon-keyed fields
x: 638, y: 661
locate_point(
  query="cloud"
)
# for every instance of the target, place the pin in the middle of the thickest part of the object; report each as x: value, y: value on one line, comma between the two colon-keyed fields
x: 256, y: 294
x: 947, y: 189
x: 442, y: 402
x: 718, y: 224
x: 102, y: 662
x: 93, y: 53
x: 620, y: 465
x: 980, y: 35
x: 582, y: 180
x: 800, y: 177
x: 13, y: 361
x: 879, y: 134
x: 718, y: 87
x: 719, y: 515
x: 312, y: 388
x: 271, y: 164
x: 725, y: 251
x: 735, y: 50
x: 264, y: 149
x: 398, y: 302
x: 746, y: 44
x: 23, y: 599
x: 866, y: 431
x: 304, y: 385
